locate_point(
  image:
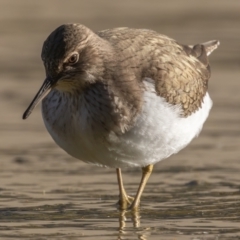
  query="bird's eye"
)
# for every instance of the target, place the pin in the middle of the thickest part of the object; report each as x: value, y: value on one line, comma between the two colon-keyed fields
x: 73, y: 59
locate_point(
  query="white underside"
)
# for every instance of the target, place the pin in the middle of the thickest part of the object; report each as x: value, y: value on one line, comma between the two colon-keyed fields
x: 159, y: 132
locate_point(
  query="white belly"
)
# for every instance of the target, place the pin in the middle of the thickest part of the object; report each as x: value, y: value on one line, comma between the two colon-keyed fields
x: 159, y: 132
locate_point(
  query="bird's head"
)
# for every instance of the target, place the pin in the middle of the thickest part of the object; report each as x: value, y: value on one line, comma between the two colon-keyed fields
x: 70, y: 58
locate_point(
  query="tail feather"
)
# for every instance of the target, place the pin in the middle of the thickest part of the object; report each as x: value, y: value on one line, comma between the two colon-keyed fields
x: 202, y: 50
x: 210, y: 46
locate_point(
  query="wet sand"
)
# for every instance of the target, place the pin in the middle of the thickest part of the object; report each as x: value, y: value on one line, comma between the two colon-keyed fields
x: 46, y: 194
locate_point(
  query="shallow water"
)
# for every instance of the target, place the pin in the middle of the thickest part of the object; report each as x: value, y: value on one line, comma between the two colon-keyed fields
x: 55, y: 198
x: 45, y: 194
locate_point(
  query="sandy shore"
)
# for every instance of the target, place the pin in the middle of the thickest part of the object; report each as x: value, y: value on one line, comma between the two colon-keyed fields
x: 28, y: 154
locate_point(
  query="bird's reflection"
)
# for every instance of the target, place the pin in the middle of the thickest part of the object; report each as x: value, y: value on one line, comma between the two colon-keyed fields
x: 125, y: 231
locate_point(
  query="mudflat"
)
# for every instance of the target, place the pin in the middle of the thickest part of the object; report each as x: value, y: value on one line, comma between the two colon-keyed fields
x: 46, y: 193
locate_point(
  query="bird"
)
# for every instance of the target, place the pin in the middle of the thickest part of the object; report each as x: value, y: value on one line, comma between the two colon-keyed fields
x: 123, y: 97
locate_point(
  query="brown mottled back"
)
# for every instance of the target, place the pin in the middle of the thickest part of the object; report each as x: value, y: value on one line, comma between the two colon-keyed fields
x: 181, y: 73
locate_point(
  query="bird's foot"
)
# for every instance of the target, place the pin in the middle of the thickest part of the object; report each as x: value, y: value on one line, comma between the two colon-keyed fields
x: 134, y: 206
x: 125, y: 202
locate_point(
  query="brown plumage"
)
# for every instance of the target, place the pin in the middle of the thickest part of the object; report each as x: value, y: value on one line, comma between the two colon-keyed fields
x: 123, y: 97
x: 123, y: 57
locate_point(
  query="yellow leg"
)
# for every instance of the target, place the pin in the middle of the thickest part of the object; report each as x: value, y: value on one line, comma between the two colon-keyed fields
x: 146, y: 172
x: 124, y: 199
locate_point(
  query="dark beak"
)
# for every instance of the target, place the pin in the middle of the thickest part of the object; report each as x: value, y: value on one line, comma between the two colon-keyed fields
x: 42, y: 93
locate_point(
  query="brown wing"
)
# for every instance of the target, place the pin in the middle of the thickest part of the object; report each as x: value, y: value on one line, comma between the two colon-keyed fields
x: 183, y: 77
x: 180, y: 72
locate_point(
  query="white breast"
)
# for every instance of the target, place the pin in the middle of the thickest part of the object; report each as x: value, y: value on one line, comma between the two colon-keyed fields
x: 159, y: 132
